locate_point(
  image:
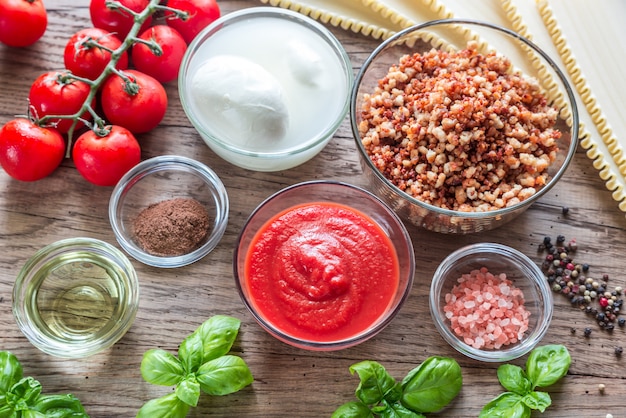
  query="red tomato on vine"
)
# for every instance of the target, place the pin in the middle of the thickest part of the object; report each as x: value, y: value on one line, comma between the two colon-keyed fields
x: 22, y: 22
x: 163, y: 66
x: 58, y: 93
x: 88, y: 52
x: 117, y: 20
x: 102, y: 157
x: 29, y: 152
x: 200, y: 14
x: 136, y: 101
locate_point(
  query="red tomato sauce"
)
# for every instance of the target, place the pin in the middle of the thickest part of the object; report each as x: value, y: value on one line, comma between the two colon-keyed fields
x: 321, y: 272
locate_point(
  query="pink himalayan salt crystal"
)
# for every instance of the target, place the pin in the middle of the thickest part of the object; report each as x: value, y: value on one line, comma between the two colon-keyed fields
x: 486, y: 311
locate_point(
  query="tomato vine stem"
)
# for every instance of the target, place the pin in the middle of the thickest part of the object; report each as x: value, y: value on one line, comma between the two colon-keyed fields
x: 98, y: 124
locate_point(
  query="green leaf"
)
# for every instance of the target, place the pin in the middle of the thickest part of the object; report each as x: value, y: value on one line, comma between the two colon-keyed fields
x: 224, y: 375
x: 160, y: 367
x: 212, y: 339
x: 29, y: 413
x: 397, y: 410
x: 7, y: 411
x: 188, y: 391
x: 537, y: 400
x: 60, y: 406
x: 514, y: 379
x: 353, y: 410
x: 507, y: 405
x: 374, y: 383
x: 11, y: 371
x: 24, y: 393
x: 168, y: 406
x: 547, y: 364
x: 432, y: 385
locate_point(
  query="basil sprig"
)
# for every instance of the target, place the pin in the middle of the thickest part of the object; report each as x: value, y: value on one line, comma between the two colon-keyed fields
x: 21, y: 396
x: 427, y: 388
x: 544, y: 367
x: 203, y: 365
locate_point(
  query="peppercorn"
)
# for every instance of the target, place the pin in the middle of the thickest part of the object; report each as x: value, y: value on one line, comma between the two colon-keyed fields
x: 560, y: 239
x: 600, y: 316
x: 587, y: 332
x: 547, y: 241
x: 565, y: 210
x: 619, y: 350
x: 585, y: 267
x: 621, y: 322
x: 609, y: 327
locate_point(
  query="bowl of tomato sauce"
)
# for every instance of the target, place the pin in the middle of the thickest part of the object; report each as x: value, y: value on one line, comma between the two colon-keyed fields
x: 323, y: 265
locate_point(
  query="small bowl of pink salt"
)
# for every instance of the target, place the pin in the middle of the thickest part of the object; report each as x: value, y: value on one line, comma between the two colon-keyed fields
x: 169, y: 211
x: 490, y: 302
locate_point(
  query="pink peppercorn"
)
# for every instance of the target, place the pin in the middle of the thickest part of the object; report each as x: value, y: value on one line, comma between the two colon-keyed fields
x: 604, y: 302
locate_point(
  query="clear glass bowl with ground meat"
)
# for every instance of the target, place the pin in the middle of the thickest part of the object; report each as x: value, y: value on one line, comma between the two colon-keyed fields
x: 490, y: 302
x: 169, y: 211
x: 461, y: 125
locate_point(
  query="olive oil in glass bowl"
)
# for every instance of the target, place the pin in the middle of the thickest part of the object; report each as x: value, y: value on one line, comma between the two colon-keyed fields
x: 76, y: 297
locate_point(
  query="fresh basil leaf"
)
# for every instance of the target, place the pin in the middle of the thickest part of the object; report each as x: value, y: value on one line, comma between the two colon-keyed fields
x: 168, y: 406
x: 507, y: 405
x: 29, y: 413
x: 374, y: 383
x: 160, y: 367
x: 537, y: 400
x: 353, y: 410
x: 212, y: 339
x: 24, y: 393
x: 224, y: 375
x: 432, y: 385
x: 60, y: 406
x: 7, y: 411
x: 397, y: 410
x: 188, y: 391
x: 10, y: 371
x: 547, y: 364
x: 514, y: 379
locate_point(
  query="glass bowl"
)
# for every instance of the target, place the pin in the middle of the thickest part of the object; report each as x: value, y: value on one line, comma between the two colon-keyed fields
x: 266, y: 88
x: 461, y: 156
x: 484, y: 314
x: 75, y: 297
x: 169, y: 211
x: 323, y: 265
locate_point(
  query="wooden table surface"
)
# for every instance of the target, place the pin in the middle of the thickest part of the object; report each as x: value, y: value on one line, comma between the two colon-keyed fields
x: 289, y: 382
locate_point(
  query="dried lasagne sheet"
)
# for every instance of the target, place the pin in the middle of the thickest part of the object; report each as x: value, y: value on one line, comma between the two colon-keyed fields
x: 586, y: 38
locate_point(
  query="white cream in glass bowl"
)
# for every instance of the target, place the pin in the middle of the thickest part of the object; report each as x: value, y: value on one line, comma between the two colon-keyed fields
x: 266, y: 87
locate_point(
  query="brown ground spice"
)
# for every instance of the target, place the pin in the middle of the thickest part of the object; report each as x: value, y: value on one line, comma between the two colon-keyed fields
x: 172, y: 227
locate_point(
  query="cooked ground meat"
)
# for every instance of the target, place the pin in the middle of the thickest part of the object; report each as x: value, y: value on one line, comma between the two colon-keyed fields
x: 461, y: 130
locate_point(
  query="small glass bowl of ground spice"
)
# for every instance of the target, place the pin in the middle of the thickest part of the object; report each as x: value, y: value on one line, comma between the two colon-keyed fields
x: 490, y: 302
x: 169, y: 211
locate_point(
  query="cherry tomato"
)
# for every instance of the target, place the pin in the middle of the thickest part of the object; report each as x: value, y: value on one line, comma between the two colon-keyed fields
x: 137, y: 101
x: 103, y: 160
x: 29, y: 152
x: 201, y: 13
x: 163, y: 67
x: 117, y: 21
x: 87, y: 52
x: 22, y: 22
x: 58, y: 93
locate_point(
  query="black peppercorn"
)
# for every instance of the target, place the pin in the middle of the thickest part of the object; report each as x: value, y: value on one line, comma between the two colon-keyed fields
x: 621, y: 322
x: 547, y: 241
x: 587, y: 332
x: 565, y: 210
x: 618, y: 351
